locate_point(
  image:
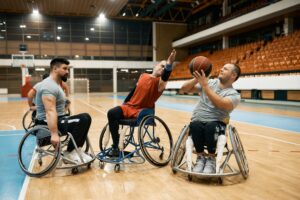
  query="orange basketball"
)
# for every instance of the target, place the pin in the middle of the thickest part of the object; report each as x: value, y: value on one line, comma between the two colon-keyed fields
x: 200, y: 63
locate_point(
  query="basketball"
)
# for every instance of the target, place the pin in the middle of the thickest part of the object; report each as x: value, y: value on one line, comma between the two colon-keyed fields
x: 200, y: 63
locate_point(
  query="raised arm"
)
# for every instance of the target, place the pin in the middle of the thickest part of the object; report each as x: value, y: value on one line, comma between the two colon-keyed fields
x: 190, y: 86
x: 166, y: 71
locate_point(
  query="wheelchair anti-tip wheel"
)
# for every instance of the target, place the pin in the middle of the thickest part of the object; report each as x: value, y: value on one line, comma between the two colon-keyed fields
x: 239, y: 152
x: 156, y: 140
x: 28, y: 119
x: 36, y: 155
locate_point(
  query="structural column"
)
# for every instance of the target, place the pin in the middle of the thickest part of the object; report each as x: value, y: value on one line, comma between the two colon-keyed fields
x: 115, y: 77
x: 288, y: 25
x: 225, y: 42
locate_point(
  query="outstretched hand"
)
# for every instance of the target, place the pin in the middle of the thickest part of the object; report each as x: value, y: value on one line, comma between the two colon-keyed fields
x: 171, y: 57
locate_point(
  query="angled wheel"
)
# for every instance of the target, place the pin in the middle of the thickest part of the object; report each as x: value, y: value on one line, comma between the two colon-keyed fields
x: 28, y: 119
x: 36, y: 155
x: 179, y: 149
x: 239, y: 152
x: 156, y: 140
x: 105, y: 140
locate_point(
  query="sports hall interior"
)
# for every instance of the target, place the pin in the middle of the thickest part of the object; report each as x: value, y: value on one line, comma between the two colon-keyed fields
x: 110, y: 43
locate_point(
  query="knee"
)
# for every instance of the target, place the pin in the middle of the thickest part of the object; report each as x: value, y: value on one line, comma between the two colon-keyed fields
x: 110, y: 114
x: 86, y: 118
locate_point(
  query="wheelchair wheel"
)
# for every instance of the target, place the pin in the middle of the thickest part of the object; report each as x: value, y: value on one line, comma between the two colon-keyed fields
x: 36, y: 155
x: 239, y: 151
x: 105, y: 141
x: 179, y: 149
x: 28, y: 119
x: 156, y: 140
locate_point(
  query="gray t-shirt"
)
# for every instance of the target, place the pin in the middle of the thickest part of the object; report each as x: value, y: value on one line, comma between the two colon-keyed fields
x: 206, y: 111
x: 48, y: 87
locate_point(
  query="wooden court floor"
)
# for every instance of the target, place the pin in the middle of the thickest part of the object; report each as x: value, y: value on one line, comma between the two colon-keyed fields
x: 273, y: 156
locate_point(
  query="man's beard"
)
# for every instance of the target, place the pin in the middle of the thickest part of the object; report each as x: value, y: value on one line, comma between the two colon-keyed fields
x: 64, y: 78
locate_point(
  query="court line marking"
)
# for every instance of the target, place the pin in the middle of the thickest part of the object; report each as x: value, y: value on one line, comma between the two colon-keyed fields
x: 270, y: 138
x: 15, y: 134
x: 283, y: 130
x: 92, y: 106
x: 13, y: 127
x: 24, y: 188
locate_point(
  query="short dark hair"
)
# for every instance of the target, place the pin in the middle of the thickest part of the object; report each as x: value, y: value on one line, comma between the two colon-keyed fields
x: 58, y: 61
x: 45, y: 76
x: 237, y: 70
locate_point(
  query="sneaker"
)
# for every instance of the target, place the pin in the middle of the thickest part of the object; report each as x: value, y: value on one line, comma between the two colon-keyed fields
x: 114, y: 152
x: 210, y: 166
x: 198, y: 168
x: 86, y: 158
x: 73, y: 156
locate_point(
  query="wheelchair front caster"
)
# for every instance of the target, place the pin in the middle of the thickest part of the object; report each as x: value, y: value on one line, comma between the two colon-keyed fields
x: 40, y: 162
x: 74, y: 170
x: 117, y: 168
x: 101, y: 165
x: 89, y: 165
x: 174, y: 171
x: 220, y: 181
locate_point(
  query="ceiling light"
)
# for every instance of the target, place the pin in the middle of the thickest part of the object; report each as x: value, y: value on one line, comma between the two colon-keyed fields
x: 92, y: 29
x: 1, y: 24
x: 3, y: 30
x: 76, y: 56
x: 35, y: 12
x: 59, y: 27
x: 137, y: 14
x: 58, y: 37
x: 102, y: 16
x: 39, y: 69
x: 28, y: 36
x: 22, y: 26
x: 87, y: 39
x: 123, y: 14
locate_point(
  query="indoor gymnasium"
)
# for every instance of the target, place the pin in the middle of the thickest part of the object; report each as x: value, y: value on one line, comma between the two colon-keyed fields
x: 149, y: 99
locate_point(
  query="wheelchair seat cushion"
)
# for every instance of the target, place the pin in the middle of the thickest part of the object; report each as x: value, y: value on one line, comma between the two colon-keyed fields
x: 128, y: 122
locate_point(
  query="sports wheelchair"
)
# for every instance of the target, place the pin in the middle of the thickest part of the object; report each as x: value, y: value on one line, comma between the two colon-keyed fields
x: 183, y: 156
x: 38, y: 157
x: 154, y: 140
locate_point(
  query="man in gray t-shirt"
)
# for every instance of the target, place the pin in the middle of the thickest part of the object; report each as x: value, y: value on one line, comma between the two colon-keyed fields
x: 50, y: 105
x: 210, y: 116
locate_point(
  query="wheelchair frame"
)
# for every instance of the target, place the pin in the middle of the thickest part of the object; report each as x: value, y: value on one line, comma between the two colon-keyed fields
x: 129, y: 139
x: 179, y: 164
x: 39, y: 153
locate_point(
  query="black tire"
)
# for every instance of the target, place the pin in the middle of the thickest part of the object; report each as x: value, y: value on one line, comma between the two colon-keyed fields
x: 101, y: 145
x: 179, y: 149
x: 28, y: 148
x: 239, y: 152
x: 163, y: 152
x: 102, y: 148
x: 28, y: 120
